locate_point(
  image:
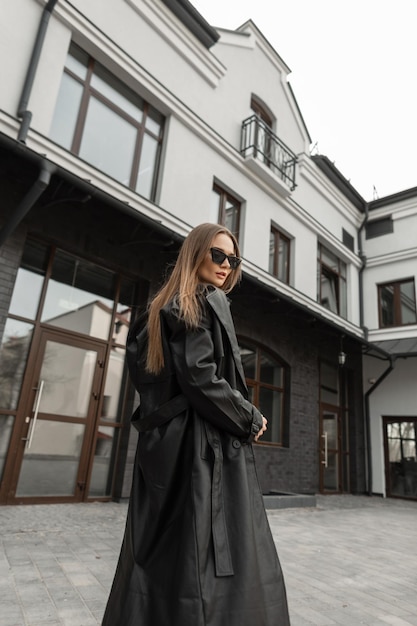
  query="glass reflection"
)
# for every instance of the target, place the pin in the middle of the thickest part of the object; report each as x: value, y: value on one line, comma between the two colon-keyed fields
x: 108, y: 141
x: 29, y: 280
x: 6, y: 427
x: 402, y: 457
x: 270, y: 405
x: 14, y: 351
x: 408, y: 303
x: 104, y: 459
x: 248, y: 357
x: 329, y: 383
x: 66, y: 112
x: 331, y: 474
x: 79, y: 297
x: 50, y: 466
x: 67, y: 372
x: 112, y: 391
x: 271, y: 372
x: 147, y: 166
x: 117, y: 93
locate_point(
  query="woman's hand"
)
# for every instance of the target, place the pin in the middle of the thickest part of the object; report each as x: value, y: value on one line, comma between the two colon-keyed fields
x: 263, y: 429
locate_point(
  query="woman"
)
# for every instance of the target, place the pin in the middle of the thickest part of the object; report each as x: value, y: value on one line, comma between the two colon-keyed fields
x: 197, y: 549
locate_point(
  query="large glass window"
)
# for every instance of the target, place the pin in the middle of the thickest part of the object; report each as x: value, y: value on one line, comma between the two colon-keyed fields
x: 225, y: 210
x: 61, y: 305
x: 401, y: 456
x: 279, y: 255
x: 14, y: 349
x: 266, y: 379
x: 79, y: 296
x: 107, y: 124
x: 397, y: 303
x: 331, y: 282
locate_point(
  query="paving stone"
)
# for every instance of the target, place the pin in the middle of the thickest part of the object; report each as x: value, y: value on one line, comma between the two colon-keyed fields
x: 349, y: 561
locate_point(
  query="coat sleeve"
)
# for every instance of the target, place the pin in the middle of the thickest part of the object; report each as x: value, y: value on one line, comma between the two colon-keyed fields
x: 211, y: 396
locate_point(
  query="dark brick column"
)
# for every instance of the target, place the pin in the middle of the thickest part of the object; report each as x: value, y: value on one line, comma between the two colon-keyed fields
x: 10, y: 255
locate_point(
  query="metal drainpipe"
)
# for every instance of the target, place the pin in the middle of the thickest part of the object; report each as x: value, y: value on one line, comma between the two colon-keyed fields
x: 361, y: 270
x: 22, y: 111
x: 368, y: 421
x: 26, y: 203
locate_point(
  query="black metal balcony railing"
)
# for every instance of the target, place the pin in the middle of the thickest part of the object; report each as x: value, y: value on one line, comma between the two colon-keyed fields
x: 259, y: 141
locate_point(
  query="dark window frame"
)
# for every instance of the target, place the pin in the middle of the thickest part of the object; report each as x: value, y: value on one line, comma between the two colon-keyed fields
x: 141, y: 130
x: 256, y: 385
x: 396, y: 310
x: 275, y: 271
x: 224, y: 198
x: 261, y: 111
x: 338, y: 277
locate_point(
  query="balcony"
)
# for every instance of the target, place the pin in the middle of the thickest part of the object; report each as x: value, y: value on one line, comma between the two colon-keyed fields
x: 267, y: 155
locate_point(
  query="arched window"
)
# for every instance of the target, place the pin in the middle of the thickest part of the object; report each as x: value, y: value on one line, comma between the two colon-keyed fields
x: 267, y: 378
x: 262, y: 112
x: 263, y: 132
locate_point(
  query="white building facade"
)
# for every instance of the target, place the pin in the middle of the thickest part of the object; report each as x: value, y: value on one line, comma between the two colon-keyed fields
x: 121, y: 130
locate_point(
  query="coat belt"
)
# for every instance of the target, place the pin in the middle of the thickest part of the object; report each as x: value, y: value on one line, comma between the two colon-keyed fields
x: 222, y: 556
x: 163, y: 414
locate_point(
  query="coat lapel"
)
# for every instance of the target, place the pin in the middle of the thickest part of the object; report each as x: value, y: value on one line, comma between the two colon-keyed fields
x: 218, y: 301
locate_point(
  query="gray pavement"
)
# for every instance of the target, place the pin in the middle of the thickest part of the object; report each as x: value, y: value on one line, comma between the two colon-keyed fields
x: 351, y: 560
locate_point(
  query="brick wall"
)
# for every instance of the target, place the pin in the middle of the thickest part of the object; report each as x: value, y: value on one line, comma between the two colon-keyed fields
x: 10, y: 255
x: 302, y: 344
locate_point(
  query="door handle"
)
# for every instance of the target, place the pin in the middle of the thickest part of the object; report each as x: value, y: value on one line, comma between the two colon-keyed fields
x: 38, y: 397
x: 325, y: 462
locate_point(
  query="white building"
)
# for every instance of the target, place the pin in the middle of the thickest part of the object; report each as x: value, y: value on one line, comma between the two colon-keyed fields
x: 121, y: 130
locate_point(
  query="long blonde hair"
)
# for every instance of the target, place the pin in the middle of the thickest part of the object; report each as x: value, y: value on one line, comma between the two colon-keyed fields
x: 183, y: 285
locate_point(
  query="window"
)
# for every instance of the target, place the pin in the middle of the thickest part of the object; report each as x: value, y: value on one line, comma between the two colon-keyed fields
x: 348, y: 240
x: 331, y: 282
x: 279, y: 255
x: 377, y: 228
x: 225, y: 210
x: 261, y: 112
x: 263, y: 131
x: 98, y: 118
x: 397, y: 303
x: 267, y: 377
x: 400, y: 442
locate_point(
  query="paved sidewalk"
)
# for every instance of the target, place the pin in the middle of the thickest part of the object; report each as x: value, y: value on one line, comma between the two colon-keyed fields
x: 351, y: 560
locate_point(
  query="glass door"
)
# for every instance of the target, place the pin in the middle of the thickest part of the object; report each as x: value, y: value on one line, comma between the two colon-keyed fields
x: 59, y: 422
x: 400, y: 443
x: 330, y: 473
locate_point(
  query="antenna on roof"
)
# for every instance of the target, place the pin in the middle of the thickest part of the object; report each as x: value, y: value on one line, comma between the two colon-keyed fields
x: 376, y: 196
x: 315, y: 149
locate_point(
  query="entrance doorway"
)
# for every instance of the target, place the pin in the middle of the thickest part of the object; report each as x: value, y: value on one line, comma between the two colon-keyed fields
x: 334, y: 455
x: 63, y: 378
x: 400, y: 445
x: 58, y: 421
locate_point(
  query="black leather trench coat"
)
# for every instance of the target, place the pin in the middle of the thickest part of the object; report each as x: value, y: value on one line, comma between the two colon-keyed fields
x: 197, y: 550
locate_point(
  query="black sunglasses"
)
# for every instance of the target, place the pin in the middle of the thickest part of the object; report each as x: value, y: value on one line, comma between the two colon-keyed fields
x: 218, y: 257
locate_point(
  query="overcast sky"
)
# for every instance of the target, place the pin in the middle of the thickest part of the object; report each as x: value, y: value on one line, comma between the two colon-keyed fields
x: 354, y: 75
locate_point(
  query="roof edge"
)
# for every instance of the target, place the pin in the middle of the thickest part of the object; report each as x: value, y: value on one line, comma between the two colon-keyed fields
x: 337, y: 178
x: 194, y: 21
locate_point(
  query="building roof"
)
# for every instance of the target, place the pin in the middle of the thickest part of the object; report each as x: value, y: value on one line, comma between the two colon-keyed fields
x: 337, y: 178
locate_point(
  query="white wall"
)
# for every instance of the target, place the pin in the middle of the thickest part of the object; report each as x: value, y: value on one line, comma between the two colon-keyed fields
x: 395, y: 397
x: 390, y: 257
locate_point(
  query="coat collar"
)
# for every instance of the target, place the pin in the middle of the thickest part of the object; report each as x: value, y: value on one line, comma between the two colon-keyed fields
x: 220, y: 304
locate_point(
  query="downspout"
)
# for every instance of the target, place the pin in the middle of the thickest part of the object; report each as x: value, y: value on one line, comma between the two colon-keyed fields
x: 26, y: 203
x: 22, y: 111
x: 361, y: 270
x: 368, y: 420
